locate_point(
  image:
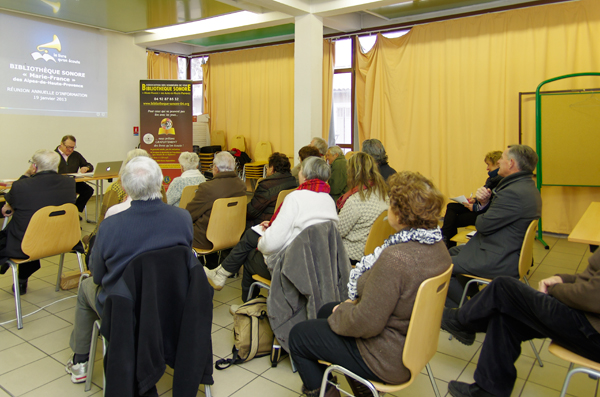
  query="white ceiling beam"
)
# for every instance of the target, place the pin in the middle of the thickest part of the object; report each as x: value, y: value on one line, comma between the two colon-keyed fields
x: 292, y: 7
x: 343, y: 23
x: 224, y: 24
x: 338, y: 7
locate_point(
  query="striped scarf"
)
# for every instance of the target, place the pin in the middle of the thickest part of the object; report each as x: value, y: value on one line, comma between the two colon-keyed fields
x: 423, y: 236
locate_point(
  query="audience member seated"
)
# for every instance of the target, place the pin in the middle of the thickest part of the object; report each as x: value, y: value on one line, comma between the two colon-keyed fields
x: 459, y: 215
x: 320, y: 145
x: 190, y: 176
x: 225, y: 184
x: 513, y: 204
x: 566, y: 309
x: 304, y: 152
x: 148, y: 225
x: 366, y: 333
x: 339, y: 173
x: 375, y: 148
x: 71, y: 161
x: 123, y: 202
x: 262, y: 205
x: 309, y: 205
x: 39, y: 187
x: 364, y: 201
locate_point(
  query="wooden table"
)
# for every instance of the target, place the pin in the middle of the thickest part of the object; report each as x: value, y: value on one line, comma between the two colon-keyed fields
x: 587, y: 230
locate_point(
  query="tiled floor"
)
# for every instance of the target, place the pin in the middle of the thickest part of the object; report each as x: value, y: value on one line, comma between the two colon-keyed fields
x: 32, y: 359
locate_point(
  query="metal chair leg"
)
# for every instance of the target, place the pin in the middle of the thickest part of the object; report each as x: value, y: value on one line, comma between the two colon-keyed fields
x: 92, y: 359
x: 207, y: 391
x: 15, y: 271
x: 432, y: 380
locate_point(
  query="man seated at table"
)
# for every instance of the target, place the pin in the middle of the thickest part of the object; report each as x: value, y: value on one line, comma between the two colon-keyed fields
x: 149, y: 224
x: 566, y: 309
x: 339, y: 173
x: 40, y: 186
x: 71, y: 161
x: 494, y: 250
x: 225, y: 184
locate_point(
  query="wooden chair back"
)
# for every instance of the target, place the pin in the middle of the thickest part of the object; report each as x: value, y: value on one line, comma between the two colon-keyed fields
x: 262, y: 152
x: 239, y: 142
x: 349, y: 154
x: 380, y: 230
x: 110, y: 198
x: 281, y: 197
x: 51, y: 231
x: 424, y: 327
x: 526, y: 257
x: 218, y: 138
x: 227, y: 222
x: 187, y: 195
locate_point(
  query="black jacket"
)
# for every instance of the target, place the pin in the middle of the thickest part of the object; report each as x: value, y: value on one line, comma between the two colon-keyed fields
x: 262, y: 206
x: 26, y: 196
x: 76, y: 161
x: 159, y: 314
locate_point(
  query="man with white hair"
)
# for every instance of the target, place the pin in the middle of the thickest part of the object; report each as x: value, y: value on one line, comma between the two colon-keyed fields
x: 339, y: 173
x: 191, y: 175
x: 40, y: 186
x: 225, y: 184
x: 149, y: 224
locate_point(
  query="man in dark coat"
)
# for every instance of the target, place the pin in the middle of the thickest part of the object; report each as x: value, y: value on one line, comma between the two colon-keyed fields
x: 513, y: 204
x: 72, y: 162
x: 225, y: 184
x: 39, y: 187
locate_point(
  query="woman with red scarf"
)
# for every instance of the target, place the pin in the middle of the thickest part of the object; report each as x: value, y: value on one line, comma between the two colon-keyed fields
x: 364, y: 201
x: 308, y: 205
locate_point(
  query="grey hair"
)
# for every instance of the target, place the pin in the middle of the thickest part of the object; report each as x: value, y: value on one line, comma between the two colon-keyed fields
x: 315, y: 168
x: 525, y: 157
x: 46, y: 160
x: 131, y: 155
x: 224, y: 161
x: 320, y: 144
x: 335, y: 150
x: 375, y: 148
x: 142, y: 179
x: 189, y: 160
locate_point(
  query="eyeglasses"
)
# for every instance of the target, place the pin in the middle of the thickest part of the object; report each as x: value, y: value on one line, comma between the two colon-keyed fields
x: 31, y: 162
x: 69, y: 147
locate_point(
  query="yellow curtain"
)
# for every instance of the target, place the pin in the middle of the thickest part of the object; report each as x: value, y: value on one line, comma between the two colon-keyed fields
x: 446, y: 93
x: 251, y: 93
x: 162, y: 65
x: 328, y: 63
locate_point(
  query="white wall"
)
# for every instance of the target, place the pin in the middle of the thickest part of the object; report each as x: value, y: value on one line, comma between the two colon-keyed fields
x: 98, y: 139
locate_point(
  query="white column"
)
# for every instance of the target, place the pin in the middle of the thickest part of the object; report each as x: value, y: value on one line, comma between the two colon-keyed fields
x: 308, y: 80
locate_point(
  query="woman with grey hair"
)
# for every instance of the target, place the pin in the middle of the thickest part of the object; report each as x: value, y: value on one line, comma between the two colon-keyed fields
x: 375, y: 148
x: 190, y: 176
x: 309, y: 205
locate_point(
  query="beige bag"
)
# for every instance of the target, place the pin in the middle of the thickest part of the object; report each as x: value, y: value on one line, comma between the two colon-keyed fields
x: 69, y: 280
x: 252, y: 333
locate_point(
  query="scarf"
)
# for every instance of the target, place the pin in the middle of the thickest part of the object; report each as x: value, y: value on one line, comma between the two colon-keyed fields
x: 314, y: 185
x: 423, y: 236
x: 342, y: 200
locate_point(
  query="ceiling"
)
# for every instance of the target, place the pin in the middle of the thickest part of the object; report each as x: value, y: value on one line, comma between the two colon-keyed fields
x: 196, y: 26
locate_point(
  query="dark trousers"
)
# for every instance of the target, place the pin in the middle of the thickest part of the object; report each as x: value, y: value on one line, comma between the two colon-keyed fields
x: 457, y: 215
x: 510, y: 312
x: 313, y: 340
x: 84, y: 192
x: 246, y: 254
x: 25, y: 269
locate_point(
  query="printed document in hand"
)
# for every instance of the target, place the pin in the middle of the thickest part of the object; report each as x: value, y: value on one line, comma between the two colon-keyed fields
x: 460, y: 199
x: 258, y: 229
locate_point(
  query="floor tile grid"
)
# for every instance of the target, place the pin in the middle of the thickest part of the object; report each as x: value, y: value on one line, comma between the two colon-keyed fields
x: 49, y: 350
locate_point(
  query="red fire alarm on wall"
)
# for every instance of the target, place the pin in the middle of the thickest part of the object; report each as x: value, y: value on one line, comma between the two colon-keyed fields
x: 136, y: 131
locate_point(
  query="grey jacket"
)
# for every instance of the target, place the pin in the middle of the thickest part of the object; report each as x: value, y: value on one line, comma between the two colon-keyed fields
x: 312, y: 270
x: 494, y: 251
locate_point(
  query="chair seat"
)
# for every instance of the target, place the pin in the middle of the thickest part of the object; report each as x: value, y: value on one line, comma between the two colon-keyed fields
x: 382, y: 387
x: 571, y: 357
x: 256, y: 164
x: 201, y: 251
x: 263, y: 280
x: 461, y: 237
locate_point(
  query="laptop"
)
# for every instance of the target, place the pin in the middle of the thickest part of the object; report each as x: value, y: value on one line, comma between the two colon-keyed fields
x: 108, y: 168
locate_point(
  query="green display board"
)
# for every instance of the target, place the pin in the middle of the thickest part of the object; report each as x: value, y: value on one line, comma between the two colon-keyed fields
x: 570, y: 139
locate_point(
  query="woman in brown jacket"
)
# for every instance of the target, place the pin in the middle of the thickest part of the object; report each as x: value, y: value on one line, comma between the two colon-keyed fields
x: 366, y: 333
